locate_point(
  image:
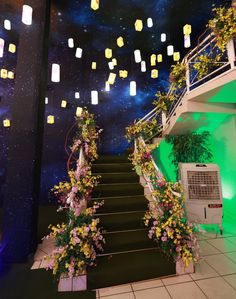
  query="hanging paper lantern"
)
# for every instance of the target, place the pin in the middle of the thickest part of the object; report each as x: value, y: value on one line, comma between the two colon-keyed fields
x: 187, y: 41
x: 120, y: 41
x: 10, y: 75
x: 137, y: 56
x: 111, y: 78
x: 153, y: 59
x: 154, y: 73
x: 6, y: 123
x: 143, y: 66
x: 187, y: 29
x: 94, y: 65
x: 55, y: 77
x: 46, y: 100
x: 7, y: 24
x: 2, y: 43
x: 70, y: 42
x: 94, y: 97
x: 123, y: 74
x: 133, y: 88
x: 95, y: 4
x: 63, y: 104
x: 3, y: 73
x: 27, y: 14
x: 163, y: 37
x: 107, y: 86
x: 149, y: 22
x: 138, y: 25
x: 114, y: 61
x: 78, y: 53
x: 108, y: 53
x: 12, y: 48
x: 159, y: 58
x: 78, y: 111
x: 176, y: 56
x: 111, y: 65
x: 77, y: 95
x: 170, y: 50
x: 50, y: 119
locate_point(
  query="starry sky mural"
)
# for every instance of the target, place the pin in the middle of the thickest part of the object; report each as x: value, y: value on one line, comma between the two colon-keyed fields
x: 93, y: 32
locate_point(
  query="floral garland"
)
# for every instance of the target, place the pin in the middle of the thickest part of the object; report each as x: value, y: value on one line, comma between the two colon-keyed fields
x: 178, y: 75
x: 164, y: 101
x: 166, y: 218
x: 203, y: 64
x: 78, y: 241
x: 139, y: 128
x: 223, y: 25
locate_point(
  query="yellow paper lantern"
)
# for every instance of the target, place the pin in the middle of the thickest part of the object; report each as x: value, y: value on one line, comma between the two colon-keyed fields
x: 78, y: 111
x: 95, y: 4
x: 187, y: 29
x: 12, y: 48
x: 176, y: 56
x: 10, y: 75
x: 6, y: 123
x: 120, y: 41
x: 123, y: 74
x: 111, y: 78
x: 3, y: 73
x: 153, y: 59
x: 63, y: 104
x: 154, y: 73
x: 114, y: 61
x: 159, y: 58
x: 138, y: 25
x: 50, y: 119
x: 94, y: 65
x: 108, y: 53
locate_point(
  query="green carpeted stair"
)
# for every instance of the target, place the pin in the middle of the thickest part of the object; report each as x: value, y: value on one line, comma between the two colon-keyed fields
x: 129, y: 255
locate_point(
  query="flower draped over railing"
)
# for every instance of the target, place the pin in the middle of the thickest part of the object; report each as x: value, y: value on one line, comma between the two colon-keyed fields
x: 166, y: 218
x: 77, y: 241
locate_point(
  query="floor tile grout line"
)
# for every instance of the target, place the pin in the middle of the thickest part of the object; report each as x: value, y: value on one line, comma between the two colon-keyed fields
x: 201, y: 289
x: 228, y: 282
x: 115, y: 294
x: 168, y: 292
x: 230, y: 257
x: 219, y: 249
x: 133, y: 290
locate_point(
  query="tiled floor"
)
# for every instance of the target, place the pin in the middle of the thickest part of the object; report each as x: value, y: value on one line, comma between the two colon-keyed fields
x: 214, y: 277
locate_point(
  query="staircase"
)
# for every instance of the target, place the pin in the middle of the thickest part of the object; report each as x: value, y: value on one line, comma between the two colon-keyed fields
x: 129, y: 255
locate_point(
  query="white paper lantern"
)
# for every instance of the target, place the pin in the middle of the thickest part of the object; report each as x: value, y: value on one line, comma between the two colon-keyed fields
x: 27, y: 14
x: 71, y: 42
x: 149, y: 22
x: 187, y: 41
x: 46, y: 100
x: 111, y: 66
x: 163, y: 37
x: 137, y: 56
x: 94, y: 97
x: 7, y: 24
x: 2, y: 43
x: 143, y: 66
x: 77, y: 95
x: 111, y: 78
x: 78, y: 53
x: 170, y: 50
x: 133, y: 88
x: 55, y: 77
x: 79, y: 111
x: 107, y: 86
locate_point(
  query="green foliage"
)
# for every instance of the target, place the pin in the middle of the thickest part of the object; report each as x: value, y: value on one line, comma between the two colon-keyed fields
x: 223, y: 25
x: 190, y: 148
x: 204, y: 64
x: 164, y: 101
x: 178, y: 75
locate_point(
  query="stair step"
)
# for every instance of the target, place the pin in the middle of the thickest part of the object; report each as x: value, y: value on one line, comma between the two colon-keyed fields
x: 129, y: 267
x: 122, y: 189
x: 112, y: 167
x: 120, y: 177
x: 117, y: 242
x: 122, y: 204
x: 112, y: 159
x: 122, y: 221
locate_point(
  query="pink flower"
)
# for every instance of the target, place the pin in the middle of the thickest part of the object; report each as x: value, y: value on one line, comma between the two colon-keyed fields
x: 74, y: 189
x: 164, y: 239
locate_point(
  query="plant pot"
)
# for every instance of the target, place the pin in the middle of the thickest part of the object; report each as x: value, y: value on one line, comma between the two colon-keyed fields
x: 181, y: 269
x: 72, y: 284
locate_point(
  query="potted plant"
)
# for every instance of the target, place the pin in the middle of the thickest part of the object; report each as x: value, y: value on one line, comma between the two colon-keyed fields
x: 223, y: 26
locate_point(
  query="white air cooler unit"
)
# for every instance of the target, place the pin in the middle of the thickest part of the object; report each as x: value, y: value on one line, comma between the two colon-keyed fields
x: 202, y: 186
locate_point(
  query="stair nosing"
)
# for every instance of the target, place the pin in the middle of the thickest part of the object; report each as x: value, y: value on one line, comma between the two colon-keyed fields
x: 127, y: 251
x: 113, y: 197
x: 129, y: 183
x: 117, y: 213
x: 124, y: 231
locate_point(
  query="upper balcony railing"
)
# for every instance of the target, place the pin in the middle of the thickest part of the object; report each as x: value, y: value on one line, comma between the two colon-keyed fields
x: 214, y: 68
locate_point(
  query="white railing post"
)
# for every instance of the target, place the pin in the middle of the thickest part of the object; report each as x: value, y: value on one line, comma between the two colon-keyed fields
x: 187, y: 77
x: 81, y: 157
x: 231, y: 53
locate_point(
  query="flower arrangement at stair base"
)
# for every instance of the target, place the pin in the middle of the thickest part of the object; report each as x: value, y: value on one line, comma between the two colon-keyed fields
x: 146, y: 129
x: 223, y: 26
x: 77, y: 241
x: 178, y: 75
x: 169, y: 227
